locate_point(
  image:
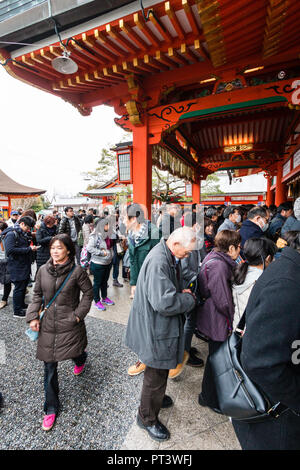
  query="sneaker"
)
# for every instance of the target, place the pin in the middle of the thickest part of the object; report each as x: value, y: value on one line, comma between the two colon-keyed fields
x: 176, y: 372
x: 3, y: 304
x: 48, y: 422
x: 194, y: 351
x: 116, y: 283
x: 21, y: 314
x: 195, y: 361
x: 100, y: 306
x: 78, y: 369
x: 107, y: 301
x: 136, y: 369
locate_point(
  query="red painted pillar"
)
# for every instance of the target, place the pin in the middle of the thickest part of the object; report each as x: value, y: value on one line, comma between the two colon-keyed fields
x: 142, y: 168
x: 280, y: 192
x: 270, y: 194
x: 196, y: 192
x: 9, y: 206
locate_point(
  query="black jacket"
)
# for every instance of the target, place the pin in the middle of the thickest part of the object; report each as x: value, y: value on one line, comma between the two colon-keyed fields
x: 250, y: 230
x: 273, y: 329
x: 18, y: 252
x: 64, y: 226
x: 43, y: 238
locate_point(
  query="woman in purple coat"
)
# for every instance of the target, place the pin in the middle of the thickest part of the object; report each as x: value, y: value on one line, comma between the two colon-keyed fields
x: 215, y: 316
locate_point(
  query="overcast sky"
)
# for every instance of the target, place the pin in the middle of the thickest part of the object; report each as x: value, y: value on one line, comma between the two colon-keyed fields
x: 45, y: 142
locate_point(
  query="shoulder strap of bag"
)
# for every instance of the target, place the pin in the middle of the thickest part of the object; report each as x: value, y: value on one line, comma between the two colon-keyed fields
x: 59, y: 290
x: 241, y: 324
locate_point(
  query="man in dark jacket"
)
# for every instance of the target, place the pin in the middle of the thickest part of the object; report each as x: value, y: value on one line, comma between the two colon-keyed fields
x: 255, y: 226
x: 170, y: 220
x: 156, y: 321
x: 44, y: 235
x: 284, y: 211
x: 19, y: 254
x: 71, y: 225
x: 270, y: 352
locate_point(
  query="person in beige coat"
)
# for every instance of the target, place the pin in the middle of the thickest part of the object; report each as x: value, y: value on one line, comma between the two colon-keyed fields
x: 62, y: 332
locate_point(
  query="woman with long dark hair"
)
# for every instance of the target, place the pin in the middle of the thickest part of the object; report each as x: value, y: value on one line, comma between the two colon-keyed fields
x: 62, y: 333
x: 258, y: 254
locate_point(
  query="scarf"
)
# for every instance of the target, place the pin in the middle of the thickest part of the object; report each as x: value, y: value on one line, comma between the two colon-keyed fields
x: 137, y: 237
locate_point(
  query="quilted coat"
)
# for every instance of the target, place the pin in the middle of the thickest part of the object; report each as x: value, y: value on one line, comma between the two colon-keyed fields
x: 61, y: 337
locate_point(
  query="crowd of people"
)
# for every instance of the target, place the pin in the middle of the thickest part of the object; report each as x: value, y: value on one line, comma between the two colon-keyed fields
x: 191, y: 272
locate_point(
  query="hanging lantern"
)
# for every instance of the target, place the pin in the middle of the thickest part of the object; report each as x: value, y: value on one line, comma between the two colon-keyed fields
x: 124, y: 162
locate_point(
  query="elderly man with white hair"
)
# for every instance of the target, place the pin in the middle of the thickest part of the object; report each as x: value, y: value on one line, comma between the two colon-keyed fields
x: 155, y: 330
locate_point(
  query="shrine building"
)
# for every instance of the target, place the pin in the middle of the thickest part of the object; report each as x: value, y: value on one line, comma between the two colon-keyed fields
x: 203, y: 85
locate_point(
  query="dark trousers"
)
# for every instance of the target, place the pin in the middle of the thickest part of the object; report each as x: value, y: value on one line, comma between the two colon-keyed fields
x: 116, y: 264
x: 208, y: 389
x: 77, y: 252
x: 101, y: 275
x: 153, y: 392
x: 51, y: 405
x: 6, y: 291
x: 19, y: 295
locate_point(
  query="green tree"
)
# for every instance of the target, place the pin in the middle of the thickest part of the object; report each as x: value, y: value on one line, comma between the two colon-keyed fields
x: 165, y: 185
x: 105, y: 171
x: 210, y: 186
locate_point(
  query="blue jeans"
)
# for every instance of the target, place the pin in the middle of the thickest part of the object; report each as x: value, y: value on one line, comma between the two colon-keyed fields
x: 189, y: 328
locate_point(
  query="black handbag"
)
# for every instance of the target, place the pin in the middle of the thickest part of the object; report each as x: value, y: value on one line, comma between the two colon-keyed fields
x: 238, y: 396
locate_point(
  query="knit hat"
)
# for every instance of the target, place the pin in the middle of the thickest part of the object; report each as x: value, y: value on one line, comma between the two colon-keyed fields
x: 297, y: 208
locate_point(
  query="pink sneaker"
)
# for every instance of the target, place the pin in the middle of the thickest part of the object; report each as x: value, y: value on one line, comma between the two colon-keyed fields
x: 78, y: 369
x: 48, y: 422
x: 107, y: 301
x: 100, y: 306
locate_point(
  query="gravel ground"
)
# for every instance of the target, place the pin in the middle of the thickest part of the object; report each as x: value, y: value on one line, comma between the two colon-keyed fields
x: 97, y: 408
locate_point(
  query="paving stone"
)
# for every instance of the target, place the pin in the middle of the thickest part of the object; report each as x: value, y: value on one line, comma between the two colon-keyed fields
x: 98, y: 408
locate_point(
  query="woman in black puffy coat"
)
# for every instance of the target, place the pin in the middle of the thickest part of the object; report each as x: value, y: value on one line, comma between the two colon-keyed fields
x: 44, y: 234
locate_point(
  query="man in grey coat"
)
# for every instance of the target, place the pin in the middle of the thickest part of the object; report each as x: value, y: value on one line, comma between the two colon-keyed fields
x: 156, y: 323
x: 232, y: 217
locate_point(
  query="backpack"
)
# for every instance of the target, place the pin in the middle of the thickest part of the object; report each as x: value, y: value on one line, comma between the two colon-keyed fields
x: 85, y: 258
x: 3, y: 254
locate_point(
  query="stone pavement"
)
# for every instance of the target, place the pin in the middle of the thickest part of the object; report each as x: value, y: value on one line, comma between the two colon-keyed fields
x: 98, y: 409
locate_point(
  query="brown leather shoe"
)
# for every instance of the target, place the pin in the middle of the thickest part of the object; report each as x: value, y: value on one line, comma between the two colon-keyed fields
x: 176, y: 372
x: 136, y: 369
